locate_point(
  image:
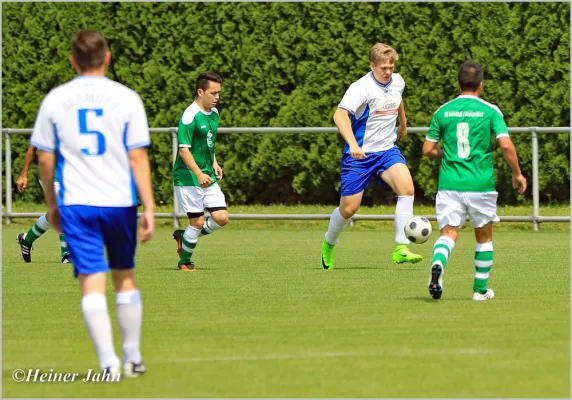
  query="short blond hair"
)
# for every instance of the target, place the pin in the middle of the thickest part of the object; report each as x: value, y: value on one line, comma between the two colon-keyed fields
x: 382, y: 52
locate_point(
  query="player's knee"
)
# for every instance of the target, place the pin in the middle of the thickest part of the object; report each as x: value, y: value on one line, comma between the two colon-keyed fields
x: 348, y: 210
x: 221, y: 219
x: 123, y: 279
x: 197, y: 222
x: 407, y: 190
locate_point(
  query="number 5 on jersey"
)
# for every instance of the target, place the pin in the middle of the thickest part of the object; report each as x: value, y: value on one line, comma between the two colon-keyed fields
x: 84, y: 130
x: 463, y: 146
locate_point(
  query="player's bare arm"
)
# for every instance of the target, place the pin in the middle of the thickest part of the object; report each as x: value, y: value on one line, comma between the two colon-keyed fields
x: 430, y: 149
x: 402, y: 128
x: 189, y: 160
x: 22, y: 181
x: 344, y: 124
x: 217, y: 169
x: 509, y: 153
x: 139, y: 161
x: 47, y: 163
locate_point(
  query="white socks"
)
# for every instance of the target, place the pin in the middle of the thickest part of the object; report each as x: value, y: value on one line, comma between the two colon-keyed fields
x: 96, y: 317
x: 336, y: 226
x: 43, y: 223
x: 403, y: 212
x: 129, y: 315
x: 209, y: 226
x: 98, y: 322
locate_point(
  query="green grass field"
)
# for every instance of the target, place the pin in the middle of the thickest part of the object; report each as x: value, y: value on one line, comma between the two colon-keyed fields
x: 261, y: 318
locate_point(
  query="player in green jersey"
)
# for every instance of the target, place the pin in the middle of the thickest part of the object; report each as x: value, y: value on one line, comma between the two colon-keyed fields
x: 466, y: 180
x: 26, y: 239
x: 196, y: 170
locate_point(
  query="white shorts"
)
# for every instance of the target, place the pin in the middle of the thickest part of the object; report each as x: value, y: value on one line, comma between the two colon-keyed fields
x: 195, y: 199
x: 453, y: 208
x: 56, y: 187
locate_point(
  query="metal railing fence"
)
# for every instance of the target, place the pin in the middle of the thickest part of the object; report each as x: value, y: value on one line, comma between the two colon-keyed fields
x: 535, y: 218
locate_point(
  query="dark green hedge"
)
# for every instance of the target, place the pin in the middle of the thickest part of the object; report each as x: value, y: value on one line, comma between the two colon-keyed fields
x: 288, y: 64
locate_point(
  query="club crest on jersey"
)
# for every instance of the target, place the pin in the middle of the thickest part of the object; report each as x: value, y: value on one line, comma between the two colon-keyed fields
x: 210, y: 138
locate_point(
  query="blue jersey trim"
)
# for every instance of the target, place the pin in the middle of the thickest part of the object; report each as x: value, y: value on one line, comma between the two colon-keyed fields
x: 90, y: 76
x: 131, y: 177
x: 358, y: 127
x: 382, y: 85
x: 138, y: 146
x: 59, y: 167
x: 40, y: 147
x: 347, y: 109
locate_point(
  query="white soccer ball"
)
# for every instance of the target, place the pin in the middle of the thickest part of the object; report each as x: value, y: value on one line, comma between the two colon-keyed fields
x: 418, y: 229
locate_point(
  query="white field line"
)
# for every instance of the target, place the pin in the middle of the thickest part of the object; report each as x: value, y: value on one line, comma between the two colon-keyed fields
x: 272, y: 357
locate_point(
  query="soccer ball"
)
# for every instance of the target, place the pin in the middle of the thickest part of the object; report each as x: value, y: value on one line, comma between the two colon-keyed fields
x: 418, y: 229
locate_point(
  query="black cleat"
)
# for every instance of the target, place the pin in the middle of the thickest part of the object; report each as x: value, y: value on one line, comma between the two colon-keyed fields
x: 436, y: 283
x: 187, y: 267
x: 25, y: 248
x: 66, y: 259
x: 132, y: 370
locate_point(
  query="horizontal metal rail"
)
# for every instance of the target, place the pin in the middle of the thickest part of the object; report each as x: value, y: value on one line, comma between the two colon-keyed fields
x: 535, y: 218
x: 285, y: 217
x: 24, y: 131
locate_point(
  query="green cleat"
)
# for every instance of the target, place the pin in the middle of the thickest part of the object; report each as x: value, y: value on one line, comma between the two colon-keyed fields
x: 402, y: 254
x: 327, y: 255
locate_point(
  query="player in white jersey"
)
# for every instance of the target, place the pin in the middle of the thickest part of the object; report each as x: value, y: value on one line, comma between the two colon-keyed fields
x: 366, y: 118
x: 94, y: 133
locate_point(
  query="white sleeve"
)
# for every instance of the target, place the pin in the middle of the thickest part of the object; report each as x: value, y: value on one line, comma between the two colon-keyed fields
x: 137, y: 128
x: 354, y: 98
x: 44, y: 133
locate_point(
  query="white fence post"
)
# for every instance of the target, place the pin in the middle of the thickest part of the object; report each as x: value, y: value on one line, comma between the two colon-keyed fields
x: 535, y: 190
x: 175, y: 199
x: 8, y: 178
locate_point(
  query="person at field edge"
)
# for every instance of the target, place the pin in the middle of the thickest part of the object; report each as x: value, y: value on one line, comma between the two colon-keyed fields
x: 196, y: 171
x: 26, y: 239
x: 366, y: 118
x: 94, y: 132
x: 466, y: 178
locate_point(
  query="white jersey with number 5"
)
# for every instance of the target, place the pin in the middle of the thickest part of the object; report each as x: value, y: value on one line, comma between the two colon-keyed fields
x: 91, y: 123
x: 374, y: 107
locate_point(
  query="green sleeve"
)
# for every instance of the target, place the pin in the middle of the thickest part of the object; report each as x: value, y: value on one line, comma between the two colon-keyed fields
x: 185, y: 133
x: 434, y: 133
x: 498, y: 126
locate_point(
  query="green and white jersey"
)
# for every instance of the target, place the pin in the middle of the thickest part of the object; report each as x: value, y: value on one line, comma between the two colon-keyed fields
x: 465, y: 125
x: 197, y: 130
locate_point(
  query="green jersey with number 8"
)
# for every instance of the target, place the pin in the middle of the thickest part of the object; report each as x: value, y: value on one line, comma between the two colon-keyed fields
x: 465, y: 125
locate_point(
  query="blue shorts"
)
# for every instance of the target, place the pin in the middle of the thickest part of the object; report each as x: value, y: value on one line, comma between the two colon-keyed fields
x: 92, y: 230
x: 356, y: 174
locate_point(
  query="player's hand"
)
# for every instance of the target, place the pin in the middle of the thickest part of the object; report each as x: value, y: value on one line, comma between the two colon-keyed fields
x: 147, y: 225
x: 357, y: 153
x: 519, y: 181
x: 204, y: 179
x: 54, y: 218
x: 401, y: 132
x: 217, y: 171
x: 21, y: 183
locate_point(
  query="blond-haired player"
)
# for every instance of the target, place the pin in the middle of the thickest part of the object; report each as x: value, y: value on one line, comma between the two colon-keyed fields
x: 366, y: 118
